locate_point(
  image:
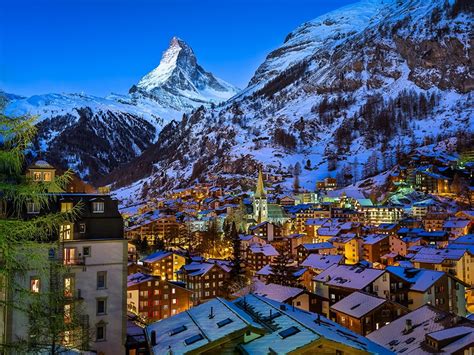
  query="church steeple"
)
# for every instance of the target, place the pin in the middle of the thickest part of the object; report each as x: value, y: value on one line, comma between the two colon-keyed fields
x: 260, y: 191
x: 260, y: 211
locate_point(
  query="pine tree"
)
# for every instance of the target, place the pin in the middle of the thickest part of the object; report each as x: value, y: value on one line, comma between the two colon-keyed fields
x: 282, y: 271
x: 55, y: 322
x: 237, y: 279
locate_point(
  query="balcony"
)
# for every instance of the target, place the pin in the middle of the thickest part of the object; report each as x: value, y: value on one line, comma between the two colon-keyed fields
x: 75, y: 261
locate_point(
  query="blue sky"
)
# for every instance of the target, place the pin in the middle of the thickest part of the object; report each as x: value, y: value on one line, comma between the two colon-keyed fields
x: 103, y: 46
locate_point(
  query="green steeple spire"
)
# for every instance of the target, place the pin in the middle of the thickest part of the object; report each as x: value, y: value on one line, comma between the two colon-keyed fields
x: 260, y: 191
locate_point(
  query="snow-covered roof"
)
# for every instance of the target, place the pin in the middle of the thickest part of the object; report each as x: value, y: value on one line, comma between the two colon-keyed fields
x: 265, y: 249
x: 321, y: 262
x: 358, y: 304
x: 437, y: 256
x: 197, y: 268
x: 284, y: 329
x: 354, y: 277
x: 138, y: 278
x: 374, y: 238
x: 420, y: 279
x: 425, y: 320
x: 273, y: 291
x: 316, y: 246
x: 156, y: 256
x: 464, y: 239
x: 456, y: 223
x: 319, y: 325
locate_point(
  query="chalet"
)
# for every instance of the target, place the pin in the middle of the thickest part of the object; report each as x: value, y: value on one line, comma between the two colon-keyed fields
x: 164, y: 264
x: 435, y: 221
x: 318, y: 262
x: 363, y: 313
x: 350, y: 246
x: 375, y: 246
x: 429, y: 286
x: 153, y: 299
x: 401, y: 245
x: 266, y: 230
x: 292, y: 296
x: 324, y: 248
x: 303, y: 275
x: 457, y: 227
x: 339, y: 281
x: 259, y: 255
x: 205, y: 279
x: 453, y: 260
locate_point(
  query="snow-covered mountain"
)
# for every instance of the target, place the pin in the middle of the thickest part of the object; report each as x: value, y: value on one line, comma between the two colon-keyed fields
x: 341, y: 95
x: 180, y: 83
x: 94, y: 135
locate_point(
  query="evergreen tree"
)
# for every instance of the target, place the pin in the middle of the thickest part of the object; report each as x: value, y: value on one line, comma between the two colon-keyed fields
x: 282, y: 270
x: 55, y: 323
x: 237, y: 279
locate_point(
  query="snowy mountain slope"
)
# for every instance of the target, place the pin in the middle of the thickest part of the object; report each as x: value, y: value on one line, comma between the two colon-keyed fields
x: 180, y: 83
x: 94, y: 135
x: 339, y: 98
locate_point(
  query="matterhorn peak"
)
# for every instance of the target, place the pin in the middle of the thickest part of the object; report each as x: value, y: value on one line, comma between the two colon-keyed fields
x: 180, y: 82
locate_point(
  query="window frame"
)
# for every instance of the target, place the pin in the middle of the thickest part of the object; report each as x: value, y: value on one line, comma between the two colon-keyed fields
x: 98, y: 203
x: 101, y: 299
x: 102, y: 273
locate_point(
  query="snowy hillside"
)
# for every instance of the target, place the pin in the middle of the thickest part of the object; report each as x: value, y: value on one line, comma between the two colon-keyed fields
x: 94, y: 135
x: 338, y: 98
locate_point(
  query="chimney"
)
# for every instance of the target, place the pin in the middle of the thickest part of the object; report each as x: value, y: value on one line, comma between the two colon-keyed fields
x: 211, y: 314
x: 153, y: 338
x: 319, y: 319
x: 408, y: 325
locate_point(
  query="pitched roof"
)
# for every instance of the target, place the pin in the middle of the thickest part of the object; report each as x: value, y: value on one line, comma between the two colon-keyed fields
x: 265, y: 249
x: 420, y: 279
x: 283, y: 329
x: 425, y: 320
x: 354, y: 277
x: 358, y: 304
x: 321, y: 262
x: 156, y: 256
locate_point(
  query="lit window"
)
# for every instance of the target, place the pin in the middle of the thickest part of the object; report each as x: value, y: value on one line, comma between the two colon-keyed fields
x: 47, y: 176
x: 98, y: 207
x: 66, y: 206
x: 35, y: 285
x: 65, y: 231
x: 37, y: 176
x: 67, y: 313
x: 68, y: 286
x: 174, y: 301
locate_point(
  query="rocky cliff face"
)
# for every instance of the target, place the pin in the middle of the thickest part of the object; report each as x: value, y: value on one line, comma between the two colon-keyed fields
x: 339, y: 97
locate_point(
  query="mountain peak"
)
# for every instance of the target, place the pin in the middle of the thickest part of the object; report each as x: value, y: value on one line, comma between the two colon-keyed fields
x: 180, y: 82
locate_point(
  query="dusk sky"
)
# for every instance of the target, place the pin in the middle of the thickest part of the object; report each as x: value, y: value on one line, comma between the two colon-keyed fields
x: 103, y: 46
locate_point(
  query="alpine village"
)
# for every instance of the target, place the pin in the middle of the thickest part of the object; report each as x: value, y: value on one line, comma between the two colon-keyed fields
x: 326, y: 208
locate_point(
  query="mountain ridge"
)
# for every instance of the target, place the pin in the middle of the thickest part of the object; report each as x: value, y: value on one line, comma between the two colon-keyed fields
x: 123, y: 126
x: 353, y: 98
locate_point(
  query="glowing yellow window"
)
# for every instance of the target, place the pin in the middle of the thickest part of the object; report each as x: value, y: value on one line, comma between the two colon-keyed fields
x: 66, y: 206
